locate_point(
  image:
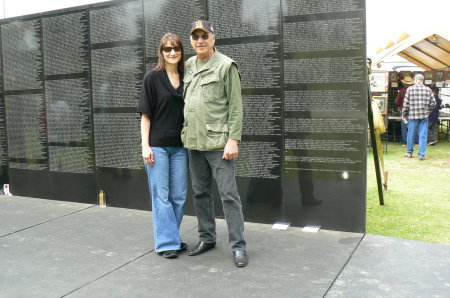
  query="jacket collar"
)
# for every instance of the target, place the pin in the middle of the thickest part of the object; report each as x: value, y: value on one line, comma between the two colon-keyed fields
x: 211, y: 63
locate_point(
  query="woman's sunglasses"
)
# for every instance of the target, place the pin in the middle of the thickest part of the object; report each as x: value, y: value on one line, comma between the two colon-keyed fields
x: 196, y: 37
x: 169, y: 49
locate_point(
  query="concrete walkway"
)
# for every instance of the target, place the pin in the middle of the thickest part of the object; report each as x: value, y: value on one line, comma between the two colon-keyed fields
x: 58, y: 249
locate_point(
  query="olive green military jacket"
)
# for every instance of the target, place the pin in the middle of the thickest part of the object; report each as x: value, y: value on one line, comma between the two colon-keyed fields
x: 213, y: 103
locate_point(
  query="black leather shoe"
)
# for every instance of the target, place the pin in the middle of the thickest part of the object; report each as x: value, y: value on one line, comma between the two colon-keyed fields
x: 170, y: 254
x: 240, y: 258
x: 201, y: 248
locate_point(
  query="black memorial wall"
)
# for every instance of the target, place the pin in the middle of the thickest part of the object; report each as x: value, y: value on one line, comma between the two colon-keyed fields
x: 70, y: 82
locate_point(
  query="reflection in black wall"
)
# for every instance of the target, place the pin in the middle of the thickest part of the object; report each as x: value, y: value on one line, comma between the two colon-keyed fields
x: 324, y: 114
x: 159, y: 19
x: 117, y: 69
x: 250, y: 33
x: 25, y: 113
x: 70, y: 82
x: 68, y: 106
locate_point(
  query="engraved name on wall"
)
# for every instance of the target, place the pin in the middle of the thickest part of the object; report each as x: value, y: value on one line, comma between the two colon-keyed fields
x: 23, y: 94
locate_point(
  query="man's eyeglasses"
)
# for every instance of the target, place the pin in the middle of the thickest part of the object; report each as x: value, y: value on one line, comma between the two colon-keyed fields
x: 169, y: 49
x: 196, y: 37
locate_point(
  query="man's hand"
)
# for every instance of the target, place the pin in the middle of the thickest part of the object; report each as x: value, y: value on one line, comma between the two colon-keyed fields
x: 147, y: 154
x: 231, y: 150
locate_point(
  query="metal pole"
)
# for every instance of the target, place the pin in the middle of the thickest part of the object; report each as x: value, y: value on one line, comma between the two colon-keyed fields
x: 376, y: 158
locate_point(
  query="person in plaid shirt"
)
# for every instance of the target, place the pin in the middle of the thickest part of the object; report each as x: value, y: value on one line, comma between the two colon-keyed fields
x: 417, y: 105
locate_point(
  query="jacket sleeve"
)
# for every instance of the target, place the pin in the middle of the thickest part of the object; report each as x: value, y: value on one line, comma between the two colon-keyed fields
x: 405, y: 110
x: 438, y: 102
x: 398, y: 99
x: 432, y: 102
x: 146, y: 103
x: 235, y: 109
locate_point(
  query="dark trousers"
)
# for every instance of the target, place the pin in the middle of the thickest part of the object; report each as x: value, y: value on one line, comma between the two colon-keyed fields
x: 203, y: 166
x: 433, y: 131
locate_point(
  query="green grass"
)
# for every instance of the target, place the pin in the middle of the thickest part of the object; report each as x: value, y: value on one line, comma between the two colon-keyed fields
x: 417, y: 201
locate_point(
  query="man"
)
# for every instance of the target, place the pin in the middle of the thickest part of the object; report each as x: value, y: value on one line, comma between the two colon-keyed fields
x: 419, y: 102
x: 407, y: 81
x: 433, y: 119
x: 212, y: 129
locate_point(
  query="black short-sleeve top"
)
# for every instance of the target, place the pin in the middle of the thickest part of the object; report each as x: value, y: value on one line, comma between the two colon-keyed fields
x: 164, y: 104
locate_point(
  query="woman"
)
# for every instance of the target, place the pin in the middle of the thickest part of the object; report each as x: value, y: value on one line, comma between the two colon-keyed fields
x: 166, y: 161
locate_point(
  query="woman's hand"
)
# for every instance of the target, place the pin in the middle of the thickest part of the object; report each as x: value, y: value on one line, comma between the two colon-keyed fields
x: 147, y: 154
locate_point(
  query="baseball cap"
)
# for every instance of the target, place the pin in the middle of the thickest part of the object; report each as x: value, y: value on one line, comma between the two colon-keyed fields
x: 202, y: 25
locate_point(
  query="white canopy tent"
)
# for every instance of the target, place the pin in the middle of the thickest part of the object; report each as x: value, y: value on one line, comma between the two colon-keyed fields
x: 429, y: 49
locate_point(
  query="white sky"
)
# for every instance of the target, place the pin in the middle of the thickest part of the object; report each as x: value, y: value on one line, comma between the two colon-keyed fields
x: 12, y: 8
x: 385, y: 18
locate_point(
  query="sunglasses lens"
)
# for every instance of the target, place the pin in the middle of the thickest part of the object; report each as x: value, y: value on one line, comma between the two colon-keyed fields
x: 169, y: 49
x: 196, y: 37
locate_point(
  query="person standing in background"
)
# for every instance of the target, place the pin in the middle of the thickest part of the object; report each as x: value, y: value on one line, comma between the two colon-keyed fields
x: 407, y: 81
x: 418, y: 104
x: 433, y: 119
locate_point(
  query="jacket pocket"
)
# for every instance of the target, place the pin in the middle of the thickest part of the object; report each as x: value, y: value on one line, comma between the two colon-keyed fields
x: 216, y: 135
x: 210, y: 87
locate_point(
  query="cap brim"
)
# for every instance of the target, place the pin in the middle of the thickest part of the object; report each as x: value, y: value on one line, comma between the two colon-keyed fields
x: 203, y: 29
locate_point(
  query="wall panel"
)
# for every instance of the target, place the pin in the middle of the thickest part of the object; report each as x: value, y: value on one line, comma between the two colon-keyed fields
x: 70, y: 83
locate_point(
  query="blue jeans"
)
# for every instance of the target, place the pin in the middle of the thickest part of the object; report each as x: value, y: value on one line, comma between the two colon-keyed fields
x: 404, y: 128
x: 413, y: 126
x: 168, y: 182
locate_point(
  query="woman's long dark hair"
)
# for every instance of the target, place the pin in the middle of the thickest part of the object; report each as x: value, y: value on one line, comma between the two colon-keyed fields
x: 174, y: 41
